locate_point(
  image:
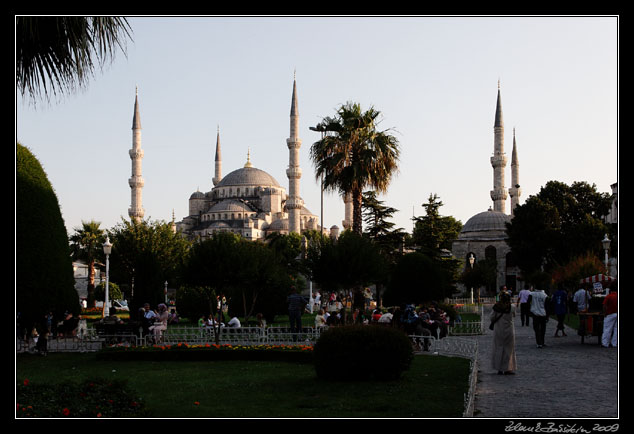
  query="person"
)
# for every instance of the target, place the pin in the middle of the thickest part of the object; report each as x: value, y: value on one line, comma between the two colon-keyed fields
x: 503, y: 357
x: 160, y: 323
x: 525, y: 309
x: 42, y: 333
x: 387, y: 317
x: 537, y: 300
x: 173, y: 317
x: 296, y: 304
x: 234, y: 322
x: 317, y: 300
x: 581, y: 298
x: 560, y: 300
x: 261, y: 320
x: 320, y: 320
x: 609, y: 337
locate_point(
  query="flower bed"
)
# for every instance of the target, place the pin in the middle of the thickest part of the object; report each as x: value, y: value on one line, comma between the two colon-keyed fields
x: 208, y: 352
x: 91, y: 398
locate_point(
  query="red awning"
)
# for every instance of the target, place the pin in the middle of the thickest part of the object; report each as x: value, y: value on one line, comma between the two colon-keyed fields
x: 597, y: 278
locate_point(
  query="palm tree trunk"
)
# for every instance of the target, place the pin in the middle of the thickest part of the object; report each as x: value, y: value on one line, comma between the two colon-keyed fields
x: 357, y: 216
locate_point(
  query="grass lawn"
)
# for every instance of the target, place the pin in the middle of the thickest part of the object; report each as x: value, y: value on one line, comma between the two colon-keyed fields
x: 433, y: 387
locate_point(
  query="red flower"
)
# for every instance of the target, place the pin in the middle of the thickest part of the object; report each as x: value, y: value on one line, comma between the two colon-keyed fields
x: 65, y: 411
x: 26, y: 382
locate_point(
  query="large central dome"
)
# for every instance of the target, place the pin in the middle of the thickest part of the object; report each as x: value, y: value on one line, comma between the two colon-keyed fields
x: 248, y: 176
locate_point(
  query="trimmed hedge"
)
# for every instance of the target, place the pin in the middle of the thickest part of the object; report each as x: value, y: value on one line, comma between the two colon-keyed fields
x: 362, y: 352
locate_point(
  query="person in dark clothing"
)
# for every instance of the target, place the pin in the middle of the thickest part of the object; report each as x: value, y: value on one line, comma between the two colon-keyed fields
x: 296, y: 304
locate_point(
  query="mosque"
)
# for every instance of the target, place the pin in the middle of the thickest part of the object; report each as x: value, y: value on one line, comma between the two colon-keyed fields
x: 247, y: 201
x: 483, y: 236
x: 250, y: 202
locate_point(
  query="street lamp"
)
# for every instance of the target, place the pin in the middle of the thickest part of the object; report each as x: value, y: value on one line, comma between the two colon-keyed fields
x: 107, y: 249
x: 471, y: 261
x: 606, y: 246
x: 322, y: 130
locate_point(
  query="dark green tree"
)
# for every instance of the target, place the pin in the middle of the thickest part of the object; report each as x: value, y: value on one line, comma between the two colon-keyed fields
x: 151, y: 253
x: 558, y: 224
x: 416, y: 279
x: 43, y: 266
x: 433, y: 232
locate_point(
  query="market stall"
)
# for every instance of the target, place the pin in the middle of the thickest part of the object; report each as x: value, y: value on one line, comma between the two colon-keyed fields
x: 591, y: 320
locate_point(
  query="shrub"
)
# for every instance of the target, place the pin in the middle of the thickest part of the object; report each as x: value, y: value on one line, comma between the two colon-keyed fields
x: 361, y: 352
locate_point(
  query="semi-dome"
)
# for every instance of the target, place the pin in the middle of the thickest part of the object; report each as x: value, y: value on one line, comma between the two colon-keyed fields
x: 248, y: 176
x: 230, y: 205
x: 486, y: 221
x: 278, y: 225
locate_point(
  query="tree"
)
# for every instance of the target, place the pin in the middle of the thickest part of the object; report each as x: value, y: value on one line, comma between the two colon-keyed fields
x: 382, y: 232
x: 434, y: 232
x: 44, y: 278
x: 558, y: 224
x: 58, y: 54
x: 86, y: 245
x: 353, y: 155
x: 150, y: 253
x: 416, y: 279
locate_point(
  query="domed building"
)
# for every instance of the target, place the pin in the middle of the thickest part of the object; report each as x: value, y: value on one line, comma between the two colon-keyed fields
x: 484, y: 235
x: 249, y: 201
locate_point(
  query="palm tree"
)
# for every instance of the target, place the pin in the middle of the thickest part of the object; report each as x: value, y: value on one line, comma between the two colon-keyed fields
x: 353, y: 155
x: 86, y: 244
x: 59, y: 53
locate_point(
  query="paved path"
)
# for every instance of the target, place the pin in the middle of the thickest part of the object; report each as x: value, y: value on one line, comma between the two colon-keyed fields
x: 565, y: 379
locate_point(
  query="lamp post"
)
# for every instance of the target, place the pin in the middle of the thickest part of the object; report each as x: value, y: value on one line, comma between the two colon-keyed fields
x: 322, y: 130
x: 165, y: 292
x: 606, y: 246
x: 107, y: 249
x: 471, y: 261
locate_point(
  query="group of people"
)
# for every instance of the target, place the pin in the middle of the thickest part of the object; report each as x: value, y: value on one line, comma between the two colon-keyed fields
x: 154, y: 322
x: 536, y: 304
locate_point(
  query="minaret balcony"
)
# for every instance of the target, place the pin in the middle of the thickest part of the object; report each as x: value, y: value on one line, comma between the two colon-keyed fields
x: 136, y: 181
x: 294, y: 203
x: 499, y: 160
x: 293, y: 143
x: 136, y: 153
x: 294, y: 172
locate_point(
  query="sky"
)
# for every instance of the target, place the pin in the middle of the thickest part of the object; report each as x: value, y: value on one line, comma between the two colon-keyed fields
x: 433, y: 78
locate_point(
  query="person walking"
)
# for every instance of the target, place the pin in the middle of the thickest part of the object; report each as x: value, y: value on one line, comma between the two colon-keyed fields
x: 503, y: 358
x: 296, y: 304
x: 560, y: 304
x: 581, y: 298
x: 537, y: 300
x: 525, y: 308
x: 610, y: 321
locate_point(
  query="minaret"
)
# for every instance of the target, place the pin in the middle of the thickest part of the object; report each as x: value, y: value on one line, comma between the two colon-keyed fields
x: 347, y: 219
x: 515, y: 190
x: 136, y: 211
x: 218, y: 166
x: 294, y: 202
x: 498, y: 160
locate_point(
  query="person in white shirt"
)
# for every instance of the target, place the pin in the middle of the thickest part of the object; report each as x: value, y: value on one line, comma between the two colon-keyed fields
x: 581, y: 297
x: 234, y: 322
x: 537, y: 300
x: 525, y: 308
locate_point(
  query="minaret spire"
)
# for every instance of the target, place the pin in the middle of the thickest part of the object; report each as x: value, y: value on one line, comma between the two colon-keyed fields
x: 294, y: 202
x: 218, y: 163
x: 515, y: 190
x: 136, y: 181
x: 498, y: 160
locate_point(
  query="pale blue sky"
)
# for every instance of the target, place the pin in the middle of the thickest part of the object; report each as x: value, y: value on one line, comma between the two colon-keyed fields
x: 434, y: 79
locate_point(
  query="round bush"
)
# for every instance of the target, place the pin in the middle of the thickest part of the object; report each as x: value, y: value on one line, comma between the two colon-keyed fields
x: 359, y: 352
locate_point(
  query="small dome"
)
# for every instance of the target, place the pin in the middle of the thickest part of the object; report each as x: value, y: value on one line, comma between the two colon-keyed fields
x: 486, y: 221
x: 197, y: 195
x: 248, y: 176
x: 278, y: 225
